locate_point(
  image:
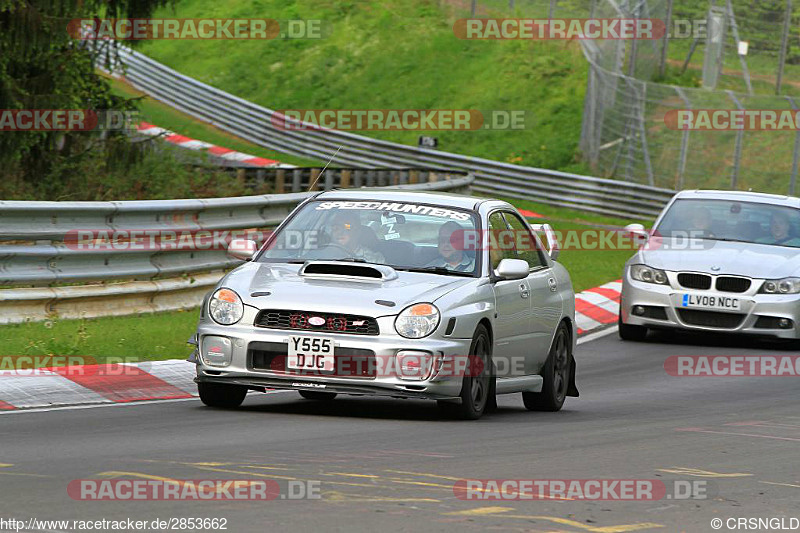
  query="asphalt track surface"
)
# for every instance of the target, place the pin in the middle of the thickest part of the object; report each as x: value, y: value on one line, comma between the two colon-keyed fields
x: 390, y: 465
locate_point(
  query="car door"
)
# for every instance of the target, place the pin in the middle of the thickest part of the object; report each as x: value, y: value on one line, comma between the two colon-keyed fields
x: 512, y: 333
x: 545, y: 298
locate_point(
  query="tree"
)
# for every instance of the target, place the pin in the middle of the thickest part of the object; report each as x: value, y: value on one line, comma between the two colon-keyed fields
x: 43, y: 67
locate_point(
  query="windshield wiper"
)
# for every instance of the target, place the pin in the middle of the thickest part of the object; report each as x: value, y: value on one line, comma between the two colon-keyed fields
x: 726, y: 239
x: 347, y: 259
x: 436, y: 270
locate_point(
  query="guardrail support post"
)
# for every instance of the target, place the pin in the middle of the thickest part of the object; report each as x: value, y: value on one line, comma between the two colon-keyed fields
x: 296, y: 176
x: 344, y: 181
x: 330, y: 174
x: 312, y: 179
x: 280, y: 180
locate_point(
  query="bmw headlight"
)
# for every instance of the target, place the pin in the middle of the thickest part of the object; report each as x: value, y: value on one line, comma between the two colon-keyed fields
x: 417, y: 321
x: 781, y: 286
x: 649, y: 275
x: 225, y: 307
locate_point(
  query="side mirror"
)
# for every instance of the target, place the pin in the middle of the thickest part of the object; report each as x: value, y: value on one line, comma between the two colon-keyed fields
x: 512, y: 269
x: 638, y: 232
x: 243, y: 249
x: 554, y: 248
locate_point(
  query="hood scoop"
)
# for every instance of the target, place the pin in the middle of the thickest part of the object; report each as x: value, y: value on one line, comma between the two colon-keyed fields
x: 349, y: 271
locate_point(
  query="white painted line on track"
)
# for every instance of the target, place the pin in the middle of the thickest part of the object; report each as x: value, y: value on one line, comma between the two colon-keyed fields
x: 110, y: 404
x: 597, y: 335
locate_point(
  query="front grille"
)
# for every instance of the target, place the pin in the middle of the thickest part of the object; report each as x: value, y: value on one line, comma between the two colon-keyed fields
x: 732, y: 284
x: 304, y: 320
x: 348, y: 362
x: 694, y: 281
x: 711, y: 319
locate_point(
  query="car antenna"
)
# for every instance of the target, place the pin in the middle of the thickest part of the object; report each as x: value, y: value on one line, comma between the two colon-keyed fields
x: 324, y: 168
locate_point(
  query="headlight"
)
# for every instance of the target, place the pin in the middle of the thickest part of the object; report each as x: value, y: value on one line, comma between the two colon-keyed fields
x: 417, y: 321
x: 225, y: 307
x: 649, y: 275
x: 781, y: 286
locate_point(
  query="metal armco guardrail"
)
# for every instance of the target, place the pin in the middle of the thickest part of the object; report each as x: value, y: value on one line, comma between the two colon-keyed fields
x: 35, y: 250
x: 254, y: 123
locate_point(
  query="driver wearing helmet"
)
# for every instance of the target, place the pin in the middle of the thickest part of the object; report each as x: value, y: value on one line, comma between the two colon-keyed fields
x: 348, y: 234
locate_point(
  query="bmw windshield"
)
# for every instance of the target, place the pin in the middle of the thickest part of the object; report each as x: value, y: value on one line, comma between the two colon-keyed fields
x: 727, y: 220
x: 406, y: 236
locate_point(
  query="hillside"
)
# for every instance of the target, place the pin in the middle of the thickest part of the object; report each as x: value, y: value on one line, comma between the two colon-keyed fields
x: 395, y: 54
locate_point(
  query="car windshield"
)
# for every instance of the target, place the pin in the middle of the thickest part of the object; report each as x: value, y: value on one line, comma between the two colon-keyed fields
x: 406, y: 236
x: 726, y: 220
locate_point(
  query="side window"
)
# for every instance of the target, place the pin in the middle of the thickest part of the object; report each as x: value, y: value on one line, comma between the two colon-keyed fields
x: 525, y: 242
x: 497, y: 226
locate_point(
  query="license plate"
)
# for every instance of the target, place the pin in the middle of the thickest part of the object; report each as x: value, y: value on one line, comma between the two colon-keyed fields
x: 707, y: 301
x: 310, y: 353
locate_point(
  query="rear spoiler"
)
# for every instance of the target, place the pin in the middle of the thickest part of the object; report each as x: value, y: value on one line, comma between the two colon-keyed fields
x: 554, y: 248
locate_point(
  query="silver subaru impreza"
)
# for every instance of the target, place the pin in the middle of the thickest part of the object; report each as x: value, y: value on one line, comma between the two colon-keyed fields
x: 722, y: 261
x: 399, y: 294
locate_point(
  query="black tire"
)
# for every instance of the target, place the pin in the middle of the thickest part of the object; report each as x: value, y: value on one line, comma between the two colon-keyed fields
x: 476, y: 385
x: 221, y: 395
x: 556, y: 375
x: 629, y: 332
x: 317, y: 395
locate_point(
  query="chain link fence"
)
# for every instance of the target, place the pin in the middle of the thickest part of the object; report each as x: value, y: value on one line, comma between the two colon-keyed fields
x: 715, y: 54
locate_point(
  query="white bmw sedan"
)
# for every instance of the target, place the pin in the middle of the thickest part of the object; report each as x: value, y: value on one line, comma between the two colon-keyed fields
x: 720, y: 261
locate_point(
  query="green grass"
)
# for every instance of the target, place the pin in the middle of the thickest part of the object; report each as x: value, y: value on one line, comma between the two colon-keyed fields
x: 145, y: 337
x: 166, y: 117
x: 396, y: 54
x: 163, y: 335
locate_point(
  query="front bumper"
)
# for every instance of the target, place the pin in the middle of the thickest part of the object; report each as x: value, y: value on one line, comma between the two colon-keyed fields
x: 760, y: 314
x: 245, y: 341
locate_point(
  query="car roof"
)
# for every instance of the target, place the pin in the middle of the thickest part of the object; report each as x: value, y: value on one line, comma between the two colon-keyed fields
x: 424, y: 197
x: 740, y: 196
